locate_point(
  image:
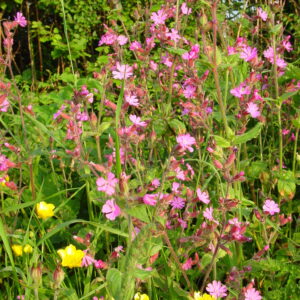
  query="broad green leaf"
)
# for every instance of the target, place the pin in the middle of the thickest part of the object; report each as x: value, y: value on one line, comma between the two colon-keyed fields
x: 249, y: 135
x: 140, y: 212
x: 114, y: 281
x: 221, y: 142
x: 287, y: 184
x: 177, y: 126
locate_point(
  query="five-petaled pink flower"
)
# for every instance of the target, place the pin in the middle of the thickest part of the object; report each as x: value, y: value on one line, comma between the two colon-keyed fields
x: 132, y: 100
x: 122, y: 71
x: 248, y: 53
x: 262, y: 14
x: 111, y: 209
x: 203, y: 196
x: 253, y: 110
x: 108, y: 185
x: 137, y: 121
x: 217, y: 289
x: 186, y: 141
x: 252, y: 294
x: 208, y: 214
x: 20, y: 19
x: 177, y: 202
x: 271, y: 207
x: 159, y: 18
x: 185, y: 9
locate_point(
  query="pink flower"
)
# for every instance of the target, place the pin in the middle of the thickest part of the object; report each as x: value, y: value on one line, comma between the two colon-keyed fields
x: 135, y: 46
x: 193, y: 54
x: 87, y: 260
x: 203, y: 196
x: 100, y: 264
x: 231, y: 50
x: 173, y: 35
x: 122, y: 71
x: 241, y: 90
x: 185, y: 10
x: 107, y: 186
x: 253, y: 110
x: 180, y: 173
x: 252, y: 294
x: 189, y: 91
x: 217, y: 289
x: 177, y: 202
x: 159, y: 17
x: 155, y: 183
x: 187, y: 265
x: 175, y: 187
x: 270, y: 207
x: 150, y: 199
x: 122, y: 40
x: 262, y: 14
x: 248, y: 53
x: 153, y: 65
x: 185, y: 142
x: 111, y: 209
x: 20, y: 19
x: 108, y: 39
x: 286, y: 44
x: 269, y: 53
x: 132, y: 100
x: 137, y: 121
x: 208, y: 214
x: 5, y: 163
x: 4, y: 104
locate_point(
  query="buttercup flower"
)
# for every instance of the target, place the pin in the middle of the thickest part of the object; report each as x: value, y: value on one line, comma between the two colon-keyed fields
x: 45, y: 210
x: 17, y: 249
x: 139, y: 296
x: 71, y: 257
x: 197, y: 296
x: 27, y: 249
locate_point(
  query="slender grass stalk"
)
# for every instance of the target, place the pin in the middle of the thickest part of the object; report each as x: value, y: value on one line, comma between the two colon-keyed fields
x: 68, y: 43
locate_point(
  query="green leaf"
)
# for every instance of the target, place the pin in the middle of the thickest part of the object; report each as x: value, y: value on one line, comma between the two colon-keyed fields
x: 221, y: 142
x: 140, y: 212
x: 249, y: 135
x: 177, y: 126
x: 287, y: 95
x: 177, y: 51
x: 114, y: 281
x: 287, y: 184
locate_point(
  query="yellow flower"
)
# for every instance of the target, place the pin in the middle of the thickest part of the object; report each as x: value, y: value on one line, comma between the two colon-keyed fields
x: 44, y: 210
x: 139, y: 296
x: 197, y: 296
x: 4, y: 179
x: 17, y: 249
x: 27, y: 249
x: 71, y: 257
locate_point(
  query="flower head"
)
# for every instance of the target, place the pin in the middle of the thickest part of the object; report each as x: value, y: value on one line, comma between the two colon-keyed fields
x: 177, y: 202
x: 137, y: 121
x: 111, y: 209
x: 253, y: 110
x: 71, y: 257
x: 197, y: 296
x: 217, y: 289
x: 159, y: 17
x: 44, y: 210
x: 27, y: 249
x: 185, y: 9
x: 248, y: 53
x: 17, y: 249
x: 252, y: 294
x: 108, y: 185
x: 20, y: 19
x: 262, y: 14
x: 270, y: 207
x: 203, y: 196
x: 185, y: 141
x: 139, y: 296
x: 122, y: 71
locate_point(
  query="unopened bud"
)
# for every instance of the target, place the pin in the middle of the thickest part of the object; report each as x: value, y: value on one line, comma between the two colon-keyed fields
x: 36, y: 274
x: 58, y: 276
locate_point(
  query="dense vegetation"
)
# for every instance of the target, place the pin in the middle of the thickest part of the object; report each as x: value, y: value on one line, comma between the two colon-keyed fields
x: 149, y: 149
